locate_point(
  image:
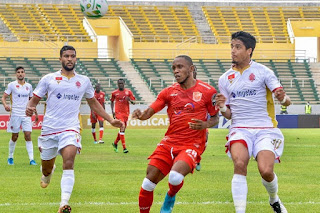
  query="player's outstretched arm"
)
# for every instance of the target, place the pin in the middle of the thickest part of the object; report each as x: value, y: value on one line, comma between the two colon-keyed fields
x: 3, y: 99
x: 282, y: 97
x: 146, y: 114
x: 96, y: 107
x: 31, y: 106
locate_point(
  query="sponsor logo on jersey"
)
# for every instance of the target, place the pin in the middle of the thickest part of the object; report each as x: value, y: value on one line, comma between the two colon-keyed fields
x: 244, y: 93
x: 71, y: 97
x: 189, y: 107
x: 197, y: 96
x: 23, y: 95
x: 59, y: 95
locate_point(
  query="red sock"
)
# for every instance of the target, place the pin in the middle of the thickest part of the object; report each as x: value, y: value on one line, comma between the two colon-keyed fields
x: 123, y: 141
x: 101, y: 134
x: 117, y: 139
x: 94, y: 136
x: 174, y: 189
x: 145, y: 200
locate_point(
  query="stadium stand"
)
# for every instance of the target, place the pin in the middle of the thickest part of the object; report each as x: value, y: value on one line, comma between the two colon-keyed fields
x: 296, y: 77
x: 268, y: 24
x: 106, y: 72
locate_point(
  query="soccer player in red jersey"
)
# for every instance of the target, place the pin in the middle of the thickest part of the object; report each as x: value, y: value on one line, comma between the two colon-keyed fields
x: 189, y: 101
x: 120, y: 110
x: 94, y: 117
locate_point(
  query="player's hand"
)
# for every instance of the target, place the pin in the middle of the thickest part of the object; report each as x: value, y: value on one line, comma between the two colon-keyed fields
x: 7, y: 108
x: 279, y: 94
x: 220, y: 100
x: 30, y: 111
x: 197, y: 124
x: 36, y: 119
x: 127, y: 98
x: 117, y: 123
x: 136, y: 114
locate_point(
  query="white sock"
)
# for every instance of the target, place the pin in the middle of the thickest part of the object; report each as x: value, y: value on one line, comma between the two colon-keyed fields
x: 12, y: 146
x: 272, y: 189
x: 67, y: 182
x: 239, y: 190
x: 29, y: 147
x: 93, y: 130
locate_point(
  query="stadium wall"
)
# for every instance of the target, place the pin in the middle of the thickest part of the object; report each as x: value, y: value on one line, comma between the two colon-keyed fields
x: 39, y: 49
x: 208, y: 51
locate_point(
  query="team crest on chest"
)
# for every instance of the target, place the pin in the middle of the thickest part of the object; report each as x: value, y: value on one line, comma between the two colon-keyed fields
x: 197, y: 96
x: 127, y: 93
x: 27, y: 88
x: 231, y: 77
x: 58, y: 79
x: 78, y: 84
x: 18, y: 86
x: 252, y: 77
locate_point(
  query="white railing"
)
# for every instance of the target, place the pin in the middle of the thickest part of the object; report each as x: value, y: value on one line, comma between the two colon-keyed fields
x: 299, y: 79
x: 44, y: 37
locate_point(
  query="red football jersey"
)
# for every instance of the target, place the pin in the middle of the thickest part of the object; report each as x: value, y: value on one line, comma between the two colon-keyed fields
x: 120, y: 97
x: 100, y: 97
x: 183, y: 105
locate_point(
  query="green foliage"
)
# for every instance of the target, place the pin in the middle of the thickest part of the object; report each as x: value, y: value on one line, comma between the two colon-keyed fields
x: 110, y: 182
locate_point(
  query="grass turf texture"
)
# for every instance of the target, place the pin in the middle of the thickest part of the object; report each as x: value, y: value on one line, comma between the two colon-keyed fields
x: 110, y: 182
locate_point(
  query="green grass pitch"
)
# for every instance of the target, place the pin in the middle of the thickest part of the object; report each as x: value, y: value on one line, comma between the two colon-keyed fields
x: 110, y: 182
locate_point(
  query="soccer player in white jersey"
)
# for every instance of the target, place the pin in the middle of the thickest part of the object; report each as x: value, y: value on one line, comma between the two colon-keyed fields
x: 246, y: 97
x: 60, y: 132
x: 20, y: 92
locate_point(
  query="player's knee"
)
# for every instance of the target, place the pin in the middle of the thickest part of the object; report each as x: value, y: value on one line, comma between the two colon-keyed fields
x: 14, y: 138
x: 266, y: 173
x: 148, y: 185
x: 68, y: 164
x: 175, y: 178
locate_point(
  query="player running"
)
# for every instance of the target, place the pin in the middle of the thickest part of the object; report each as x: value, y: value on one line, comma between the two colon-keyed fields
x: 247, y: 90
x: 189, y: 101
x: 60, y: 132
x: 121, y: 111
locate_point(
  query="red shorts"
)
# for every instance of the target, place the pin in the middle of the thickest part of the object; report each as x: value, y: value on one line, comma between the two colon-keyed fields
x: 122, y: 117
x: 98, y: 117
x: 166, y: 155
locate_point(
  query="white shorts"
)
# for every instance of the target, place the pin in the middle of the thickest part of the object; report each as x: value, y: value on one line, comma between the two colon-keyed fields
x: 18, y: 122
x: 50, y: 145
x: 257, y: 140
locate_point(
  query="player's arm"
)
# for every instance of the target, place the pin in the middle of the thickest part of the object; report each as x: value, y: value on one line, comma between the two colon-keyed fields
x: 31, y: 106
x: 4, y: 102
x: 36, y: 113
x: 96, y: 107
x: 282, y: 97
x: 200, y: 124
x: 146, y: 114
x: 221, y: 103
x: 112, y: 109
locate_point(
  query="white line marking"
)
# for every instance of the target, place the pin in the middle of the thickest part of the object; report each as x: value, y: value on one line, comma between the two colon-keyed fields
x: 157, y: 203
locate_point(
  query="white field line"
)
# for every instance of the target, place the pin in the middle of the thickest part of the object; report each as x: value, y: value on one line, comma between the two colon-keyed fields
x: 157, y: 203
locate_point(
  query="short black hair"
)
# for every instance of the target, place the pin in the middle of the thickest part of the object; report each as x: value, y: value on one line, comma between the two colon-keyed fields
x: 19, y: 67
x: 121, y: 79
x: 187, y: 58
x: 65, y: 48
x: 248, y: 40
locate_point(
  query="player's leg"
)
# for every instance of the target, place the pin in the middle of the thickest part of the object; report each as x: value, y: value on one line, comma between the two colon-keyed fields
x: 122, y: 133
x: 14, y: 128
x: 12, y: 147
x: 68, y: 154
x: 26, y: 125
x: 93, y: 130
x: 240, y: 157
x: 29, y: 147
x: 100, y: 119
x: 115, y: 143
x: 153, y: 177
x: 184, y: 164
x: 48, y: 148
x: 268, y: 151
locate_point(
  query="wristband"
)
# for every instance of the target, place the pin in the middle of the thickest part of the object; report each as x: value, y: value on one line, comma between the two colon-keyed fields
x: 284, y: 100
x: 223, y: 109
